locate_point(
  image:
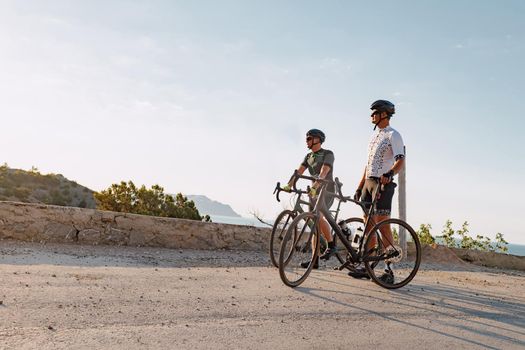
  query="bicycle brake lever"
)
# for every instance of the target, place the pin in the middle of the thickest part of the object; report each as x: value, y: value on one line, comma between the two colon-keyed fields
x: 278, y: 190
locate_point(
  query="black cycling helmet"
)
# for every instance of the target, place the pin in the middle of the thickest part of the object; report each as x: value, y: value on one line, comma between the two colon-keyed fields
x: 316, y: 133
x: 384, y: 106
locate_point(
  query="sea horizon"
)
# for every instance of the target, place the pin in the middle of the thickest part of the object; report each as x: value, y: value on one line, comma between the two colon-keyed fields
x: 513, y: 248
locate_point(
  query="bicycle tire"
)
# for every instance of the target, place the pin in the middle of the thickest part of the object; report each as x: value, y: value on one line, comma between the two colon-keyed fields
x: 296, y: 248
x: 278, y: 231
x: 406, y: 263
x: 356, y: 224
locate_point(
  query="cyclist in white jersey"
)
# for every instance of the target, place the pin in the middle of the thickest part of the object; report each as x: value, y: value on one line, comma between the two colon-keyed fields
x: 386, y: 154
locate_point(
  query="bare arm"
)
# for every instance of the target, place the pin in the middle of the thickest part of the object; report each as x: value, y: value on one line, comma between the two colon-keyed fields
x: 325, y: 169
x: 300, y: 171
x: 396, y: 168
x: 398, y: 165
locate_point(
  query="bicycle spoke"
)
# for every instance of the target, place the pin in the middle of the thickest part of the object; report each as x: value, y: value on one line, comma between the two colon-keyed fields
x: 387, y: 263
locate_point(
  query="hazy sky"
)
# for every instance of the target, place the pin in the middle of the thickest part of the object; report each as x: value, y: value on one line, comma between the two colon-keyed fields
x: 214, y: 97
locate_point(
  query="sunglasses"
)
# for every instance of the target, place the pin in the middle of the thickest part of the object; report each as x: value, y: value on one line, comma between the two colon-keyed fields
x: 309, y: 138
x: 375, y: 113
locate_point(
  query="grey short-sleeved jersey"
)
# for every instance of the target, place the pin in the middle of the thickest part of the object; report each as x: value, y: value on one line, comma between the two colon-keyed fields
x: 386, y: 145
x: 314, y: 161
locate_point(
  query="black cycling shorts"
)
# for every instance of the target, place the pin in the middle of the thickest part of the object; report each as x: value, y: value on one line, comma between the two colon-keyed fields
x: 384, y: 204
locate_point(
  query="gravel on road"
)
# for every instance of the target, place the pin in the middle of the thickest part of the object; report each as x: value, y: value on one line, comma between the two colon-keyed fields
x: 105, y: 297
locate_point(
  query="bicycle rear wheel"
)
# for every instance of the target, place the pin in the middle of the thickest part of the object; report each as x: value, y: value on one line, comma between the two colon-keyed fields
x: 355, y: 225
x: 281, y: 224
x: 385, y: 261
x: 300, y: 246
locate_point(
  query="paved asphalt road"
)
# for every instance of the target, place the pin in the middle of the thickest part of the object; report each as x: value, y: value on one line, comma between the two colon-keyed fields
x: 75, y: 297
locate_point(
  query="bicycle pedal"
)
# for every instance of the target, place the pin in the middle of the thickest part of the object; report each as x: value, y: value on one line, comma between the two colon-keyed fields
x: 394, y: 256
x: 343, y: 266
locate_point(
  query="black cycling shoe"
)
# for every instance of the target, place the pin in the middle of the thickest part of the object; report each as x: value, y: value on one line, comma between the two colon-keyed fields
x: 305, y: 264
x: 328, y: 253
x: 387, y: 277
x: 359, y: 272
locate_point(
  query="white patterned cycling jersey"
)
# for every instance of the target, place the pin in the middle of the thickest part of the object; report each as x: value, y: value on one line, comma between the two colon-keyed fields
x: 385, y: 147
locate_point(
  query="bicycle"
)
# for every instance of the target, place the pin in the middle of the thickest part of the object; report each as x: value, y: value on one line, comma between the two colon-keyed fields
x: 373, y: 249
x: 285, y: 217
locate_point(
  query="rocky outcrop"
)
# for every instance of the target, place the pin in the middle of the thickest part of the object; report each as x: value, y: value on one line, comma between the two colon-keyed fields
x: 46, y: 223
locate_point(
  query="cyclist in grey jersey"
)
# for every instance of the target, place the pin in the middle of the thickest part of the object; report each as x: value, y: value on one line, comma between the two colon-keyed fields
x: 386, y: 154
x: 319, y: 162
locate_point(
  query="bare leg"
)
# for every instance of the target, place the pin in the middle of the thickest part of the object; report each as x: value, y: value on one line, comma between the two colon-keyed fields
x: 325, y: 228
x: 385, y: 231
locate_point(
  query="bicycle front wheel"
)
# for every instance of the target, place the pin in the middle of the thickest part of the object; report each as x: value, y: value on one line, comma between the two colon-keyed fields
x: 299, y: 249
x: 386, y: 262
x: 281, y: 224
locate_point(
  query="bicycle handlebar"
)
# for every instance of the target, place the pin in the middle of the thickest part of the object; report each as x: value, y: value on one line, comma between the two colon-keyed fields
x: 297, y: 176
x: 278, y: 190
x: 338, y: 194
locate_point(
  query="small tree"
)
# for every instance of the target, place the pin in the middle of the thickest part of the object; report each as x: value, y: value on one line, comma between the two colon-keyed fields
x: 448, y: 235
x: 424, y: 234
x: 501, y: 243
x: 34, y: 170
x: 466, y: 242
x: 395, y: 234
x: 482, y: 243
x: 118, y: 197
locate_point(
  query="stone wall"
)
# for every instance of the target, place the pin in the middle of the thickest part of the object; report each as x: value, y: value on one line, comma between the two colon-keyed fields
x: 46, y: 223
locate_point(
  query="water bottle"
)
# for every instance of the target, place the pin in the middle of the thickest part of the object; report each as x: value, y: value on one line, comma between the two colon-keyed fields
x: 347, y: 231
x: 356, y: 238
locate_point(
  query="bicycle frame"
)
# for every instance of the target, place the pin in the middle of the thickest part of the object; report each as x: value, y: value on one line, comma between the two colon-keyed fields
x: 320, y: 208
x: 299, y: 202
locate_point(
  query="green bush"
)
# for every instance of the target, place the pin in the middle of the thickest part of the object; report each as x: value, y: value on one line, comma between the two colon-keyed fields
x: 57, y: 198
x: 461, y: 239
x: 424, y: 234
x: 128, y: 198
x: 66, y: 192
x: 501, y: 243
x: 21, y: 193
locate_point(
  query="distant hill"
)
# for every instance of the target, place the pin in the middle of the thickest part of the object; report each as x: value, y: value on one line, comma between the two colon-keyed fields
x: 207, y: 206
x: 34, y: 187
